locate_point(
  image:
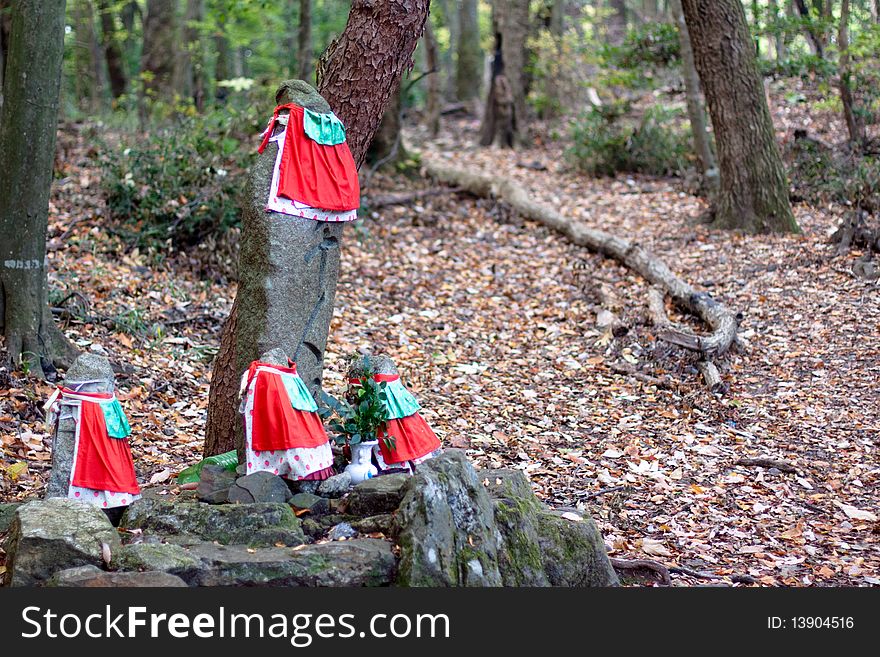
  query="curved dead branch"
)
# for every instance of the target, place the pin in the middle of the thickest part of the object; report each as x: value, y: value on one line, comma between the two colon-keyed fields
x: 722, y: 322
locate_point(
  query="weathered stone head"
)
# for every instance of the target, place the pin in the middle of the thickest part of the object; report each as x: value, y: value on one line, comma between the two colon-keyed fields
x: 371, y: 363
x: 303, y: 94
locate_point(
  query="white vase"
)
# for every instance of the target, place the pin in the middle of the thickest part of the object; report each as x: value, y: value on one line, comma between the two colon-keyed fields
x: 361, y: 467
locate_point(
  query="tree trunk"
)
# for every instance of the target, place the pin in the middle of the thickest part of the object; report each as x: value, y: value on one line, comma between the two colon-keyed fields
x: 432, y: 104
x: 778, y: 33
x: 2, y: 47
x: 304, y: 42
x: 87, y: 58
x: 696, y: 112
x: 386, y: 148
x: 356, y: 75
x: 505, y: 113
x: 190, y: 66
x: 450, y: 14
x: 814, y: 36
x: 753, y: 193
x: 160, y: 50
x: 853, y: 122
x: 875, y: 10
x: 617, y: 22
x: 28, y: 122
x: 469, y: 63
x: 756, y: 28
x: 112, y: 50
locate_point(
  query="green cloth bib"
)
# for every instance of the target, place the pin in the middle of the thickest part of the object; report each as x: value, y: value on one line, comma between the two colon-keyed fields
x: 300, y: 397
x: 325, y: 129
x: 399, y: 403
x: 114, y: 418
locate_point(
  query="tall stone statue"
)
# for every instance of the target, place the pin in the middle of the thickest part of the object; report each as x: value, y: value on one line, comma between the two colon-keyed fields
x: 303, y: 188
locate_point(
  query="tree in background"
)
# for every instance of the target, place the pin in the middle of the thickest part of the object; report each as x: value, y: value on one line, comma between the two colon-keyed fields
x: 753, y: 194
x: 112, y: 49
x: 505, y: 113
x: 88, y: 57
x: 469, y: 60
x: 160, y: 50
x: 28, y: 121
x: 696, y: 112
x: 304, y: 42
x: 357, y: 75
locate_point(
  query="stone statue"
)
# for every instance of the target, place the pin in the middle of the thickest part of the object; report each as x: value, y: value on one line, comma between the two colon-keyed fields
x: 91, y: 459
x: 409, y: 440
x: 289, y: 260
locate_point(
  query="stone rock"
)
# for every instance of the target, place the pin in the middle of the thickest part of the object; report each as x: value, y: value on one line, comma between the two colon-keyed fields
x: 377, y: 495
x: 540, y: 547
x: 241, y: 469
x: 88, y: 373
x: 7, y: 515
x: 312, y: 503
x: 256, y: 524
x: 93, y: 577
x: 358, y: 562
x: 340, y: 531
x: 54, y: 534
x: 446, y: 527
x: 303, y: 486
x: 214, y: 484
x: 259, y: 487
x: 574, y: 552
x: 371, y: 524
x: 163, y: 557
x: 335, y: 486
x: 458, y: 527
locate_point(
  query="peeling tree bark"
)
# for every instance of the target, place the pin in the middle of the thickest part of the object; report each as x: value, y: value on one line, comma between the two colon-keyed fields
x: 28, y: 121
x: 722, y: 322
x: 356, y: 75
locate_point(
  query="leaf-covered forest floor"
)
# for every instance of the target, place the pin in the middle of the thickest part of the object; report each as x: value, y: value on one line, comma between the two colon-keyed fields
x: 492, y: 321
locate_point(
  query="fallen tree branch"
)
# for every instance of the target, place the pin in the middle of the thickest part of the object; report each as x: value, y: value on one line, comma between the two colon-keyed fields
x: 647, y: 379
x: 765, y: 462
x: 644, y: 564
x: 711, y: 375
x: 719, y: 318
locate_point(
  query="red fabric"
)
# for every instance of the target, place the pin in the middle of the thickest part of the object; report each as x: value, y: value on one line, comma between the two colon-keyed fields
x: 319, y: 175
x: 413, y: 439
x: 276, y: 424
x: 319, y: 475
x: 379, y: 378
x: 102, y: 462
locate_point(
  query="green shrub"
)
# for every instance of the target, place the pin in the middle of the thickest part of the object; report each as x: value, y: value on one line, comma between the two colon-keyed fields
x: 179, y: 183
x: 603, y: 143
x: 650, y: 44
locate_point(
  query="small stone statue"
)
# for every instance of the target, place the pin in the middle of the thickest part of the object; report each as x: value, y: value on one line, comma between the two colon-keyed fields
x: 91, y: 458
x: 409, y: 439
x: 283, y: 432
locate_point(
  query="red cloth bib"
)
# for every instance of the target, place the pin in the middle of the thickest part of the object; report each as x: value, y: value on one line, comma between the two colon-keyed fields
x: 413, y: 438
x: 102, y: 462
x: 322, y: 176
x: 276, y: 424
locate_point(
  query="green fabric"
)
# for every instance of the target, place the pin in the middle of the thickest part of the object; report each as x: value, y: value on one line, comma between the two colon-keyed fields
x: 399, y: 403
x: 192, y: 474
x: 325, y: 129
x: 300, y: 397
x: 114, y: 418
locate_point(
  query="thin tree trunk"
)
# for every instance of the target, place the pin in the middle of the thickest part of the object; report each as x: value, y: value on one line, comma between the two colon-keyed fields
x: 356, y: 75
x: 814, y: 37
x: 853, y: 122
x: 696, y: 112
x: 432, y: 57
x: 505, y: 113
x: 2, y: 50
x: 304, y: 41
x: 160, y: 50
x: 756, y: 28
x: 875, y: 10
x: 88, y: 58
x: 28, y: 122
x: 778, y: 33
x: 450, y: 13
x: 469, y: 63
x: 387, y: 149
x: 190, y: 65
x: 112, y: 51
x: 753, y: 193
x: 617, y: 22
